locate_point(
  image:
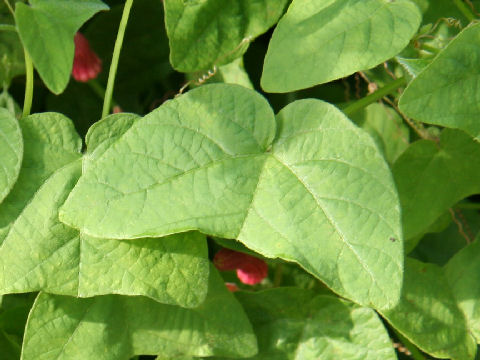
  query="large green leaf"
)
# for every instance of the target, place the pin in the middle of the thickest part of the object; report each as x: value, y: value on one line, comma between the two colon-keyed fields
x: 321, y: 196
x: 115, y: 327
x: 209, y: 32
x: 322, y: 40
x: 50, y: 142
x: 11, y: 148
x: 296, y: 324
x: 446, y: 92
x: 428, y: 314
x: 462, y: 272
x: 47, y: 28
x: 41, y: 253
x: 433, y: 176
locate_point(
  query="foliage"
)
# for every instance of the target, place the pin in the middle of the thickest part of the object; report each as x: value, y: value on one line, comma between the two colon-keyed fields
x: 336, y: 142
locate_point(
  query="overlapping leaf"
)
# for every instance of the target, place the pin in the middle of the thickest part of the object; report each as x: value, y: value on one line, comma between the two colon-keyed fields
x: 321, y: 196
x: 318, y: 41
x: 41, y: 253
x: 207, y: 33
x: 446, y: 92
x: 46, y: 29
x: 296, y: 324
x: 11, y: 63
x: 11, y: 148
x: 431, y: 177
x: 50, y: 142
x: 428, y: 313
x: 462, y: 274
x: 386, y: 128
x: 116, y: 327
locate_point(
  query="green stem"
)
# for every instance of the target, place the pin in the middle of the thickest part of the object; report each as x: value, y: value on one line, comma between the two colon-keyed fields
x: 464, y: 9
x: 10, y: 8
x: 377, y: 95
x: 116, y: 55
x: 432, y: 49
x: 27, y: 103
x: 277, y: 280
x: 5, y: 27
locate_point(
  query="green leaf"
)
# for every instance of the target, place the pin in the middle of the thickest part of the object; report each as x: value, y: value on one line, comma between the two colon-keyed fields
x: 445, y: 93
x: 11, y: 148
x: 11, y: 58
x: 47, y: 28
x: 105, y: 132
x: 116, y: 327
x: 207, y: 33
x: 41, y: 253
x: 386, y: 128
x: 428, y: 314
x: 462, y: 274
x: 49, y: 142
x: 11, y: 51
x: 234, y: 73
x: 431, y: 177
x: 322, y: 40
x: 296, y: 324
x: 413, y: 66
x: 322, y: 196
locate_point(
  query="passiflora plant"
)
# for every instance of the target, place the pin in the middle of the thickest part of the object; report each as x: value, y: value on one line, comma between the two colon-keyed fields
x: 260, y: 179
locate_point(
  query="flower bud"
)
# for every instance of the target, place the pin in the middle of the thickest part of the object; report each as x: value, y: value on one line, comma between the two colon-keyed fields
x: 86, y: 64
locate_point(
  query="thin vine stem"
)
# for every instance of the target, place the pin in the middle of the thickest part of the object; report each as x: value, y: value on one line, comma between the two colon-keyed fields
x: 107, y: 101
x: 27, y: 103
x: 6, y: 27
x: 10, y: 8
x: 377, y: 95
x: 464, y: 9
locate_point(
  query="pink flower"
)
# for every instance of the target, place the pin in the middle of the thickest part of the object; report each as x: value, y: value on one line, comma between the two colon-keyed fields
x: 250, y: 270
x: 86, y: 64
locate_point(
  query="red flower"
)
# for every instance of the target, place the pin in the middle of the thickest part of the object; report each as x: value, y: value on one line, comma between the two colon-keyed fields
x: 86, y: 64
x: 250, y: 270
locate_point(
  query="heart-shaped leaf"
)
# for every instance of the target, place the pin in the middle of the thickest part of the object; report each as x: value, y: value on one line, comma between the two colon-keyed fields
x: 322, y: 40
x: 446, y: 92
x: 206, y: 33
x: 320, y: 195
